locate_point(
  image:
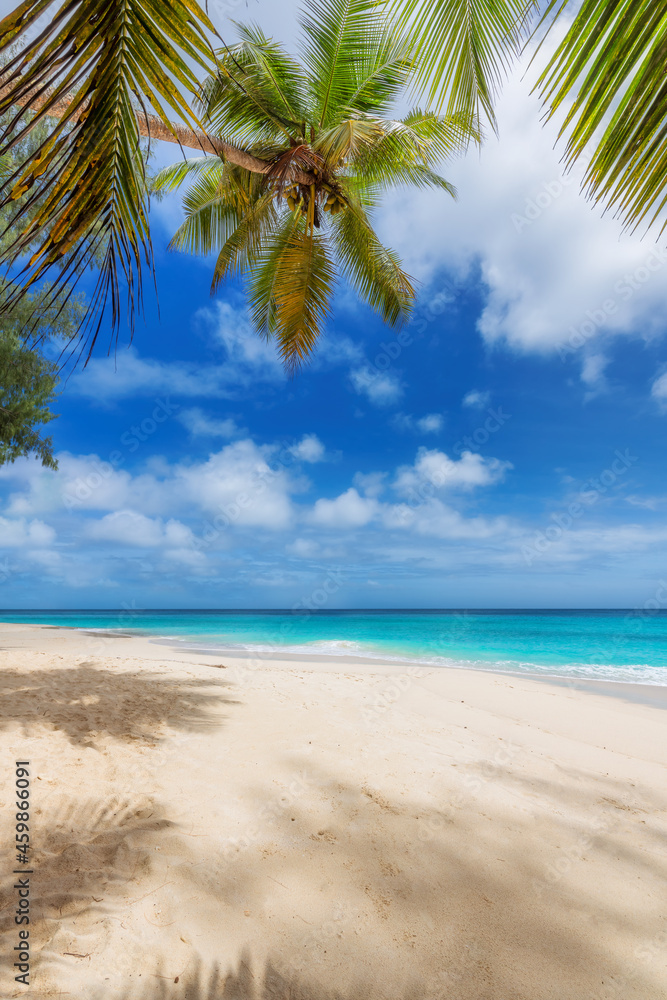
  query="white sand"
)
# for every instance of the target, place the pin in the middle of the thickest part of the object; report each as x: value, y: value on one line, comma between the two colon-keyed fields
x: 292, y: 830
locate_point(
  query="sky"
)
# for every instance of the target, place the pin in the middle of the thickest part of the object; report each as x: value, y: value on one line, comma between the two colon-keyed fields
x: 505, y: 449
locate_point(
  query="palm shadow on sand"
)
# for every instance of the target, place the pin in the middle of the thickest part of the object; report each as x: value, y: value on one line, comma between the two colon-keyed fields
x: 495, y: 926
x: 88, y: 702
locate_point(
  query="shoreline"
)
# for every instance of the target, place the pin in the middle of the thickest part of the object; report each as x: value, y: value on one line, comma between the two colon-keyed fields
x: 299, y: 829
x: 644, y: 692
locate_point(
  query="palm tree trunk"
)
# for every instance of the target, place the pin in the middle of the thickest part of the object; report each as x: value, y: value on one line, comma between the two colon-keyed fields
x: 154, y: 128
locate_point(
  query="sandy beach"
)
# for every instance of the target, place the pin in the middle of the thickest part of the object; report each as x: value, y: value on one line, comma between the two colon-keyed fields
x: 209, y: 827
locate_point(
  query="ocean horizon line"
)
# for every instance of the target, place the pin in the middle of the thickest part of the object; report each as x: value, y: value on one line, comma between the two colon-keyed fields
x: 332, y: 611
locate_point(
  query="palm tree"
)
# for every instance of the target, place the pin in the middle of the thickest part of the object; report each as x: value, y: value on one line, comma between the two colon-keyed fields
x: 324, y: 126
x: 610, y: 65
x: 108, y: 70
x: 113, y: 70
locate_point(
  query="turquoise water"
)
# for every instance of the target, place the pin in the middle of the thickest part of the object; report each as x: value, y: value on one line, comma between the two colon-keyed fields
x: 608, y: 645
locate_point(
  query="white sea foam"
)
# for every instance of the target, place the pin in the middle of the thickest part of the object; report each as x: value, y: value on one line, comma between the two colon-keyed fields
x: 637, y: 673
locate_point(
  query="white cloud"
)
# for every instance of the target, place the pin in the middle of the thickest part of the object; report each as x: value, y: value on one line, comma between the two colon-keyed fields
x: 648, y: 503
x: 232, y: 329
x: 429, y: 424
x: 242, y: 485
x: 309, y: 449
x: 247, y: 359
x: 381, y: 388
x: 109, y: 379
x: 127, y: 527
x: 200, y: 425
x: 22, y: 533
x: 592, y: 373
x: 303, y: 548
x: 476, y: 399
x: 337, y: 350
x: 553, y: 267
x: 370, y: 483
x: 436, y: 469
x: 349, y: 510
x: 659, y: 390
x: 433, y: 517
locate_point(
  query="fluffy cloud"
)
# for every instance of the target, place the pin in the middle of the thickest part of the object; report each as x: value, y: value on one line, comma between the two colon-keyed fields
x: 381, y: 388
x: 349, y: 510
x: 127, y: 527
x: 437, y: 470
x: 659, y: 390
x: 476, y: 399
x: 21, y: 533
x: 431, y: 423
x: 309, y: 449
x: 200, y: 425
x: 592, y: 373
x: 556, y: 272
x: 371, y: 484
x: 242, y: 484
x: 303, y: 548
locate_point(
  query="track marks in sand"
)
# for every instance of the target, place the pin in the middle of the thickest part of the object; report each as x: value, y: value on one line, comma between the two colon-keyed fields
x: 88, y: 854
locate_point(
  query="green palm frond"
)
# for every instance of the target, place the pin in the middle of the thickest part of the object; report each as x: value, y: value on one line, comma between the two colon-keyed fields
x: 342, y: 41
x: 291, y: 287
x: 107, y: 60
x: 171, y: 177
x: 378, y: 80
x: 243, y: 247
x: 463, y: 48
x: 373, y: 270
x: 281, y: 74
x: 407, y: 150
x: 210, y: 218
x: 348, y: 138
x: 256, y: 95
x: 612, y: 62
x: 293, y: 228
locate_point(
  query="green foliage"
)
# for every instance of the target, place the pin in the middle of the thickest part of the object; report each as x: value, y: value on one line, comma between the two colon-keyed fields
x: 612, y: 63
x: 323, y: 126
x: 27, y: 389
x: 95, y: 63
x: 28, y: 381
x: 462, y: 48
x: 606, y: 81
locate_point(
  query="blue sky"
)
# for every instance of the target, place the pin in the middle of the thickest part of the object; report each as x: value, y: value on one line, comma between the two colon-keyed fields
x: 505, y: 451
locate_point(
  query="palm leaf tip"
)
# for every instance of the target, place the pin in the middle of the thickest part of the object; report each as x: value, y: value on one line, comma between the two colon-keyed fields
x: 613, y: 59
x: 462, y: 49
x: 94, y: 68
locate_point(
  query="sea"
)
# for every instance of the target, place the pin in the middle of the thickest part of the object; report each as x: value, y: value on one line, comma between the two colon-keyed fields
x: 608, y: 645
